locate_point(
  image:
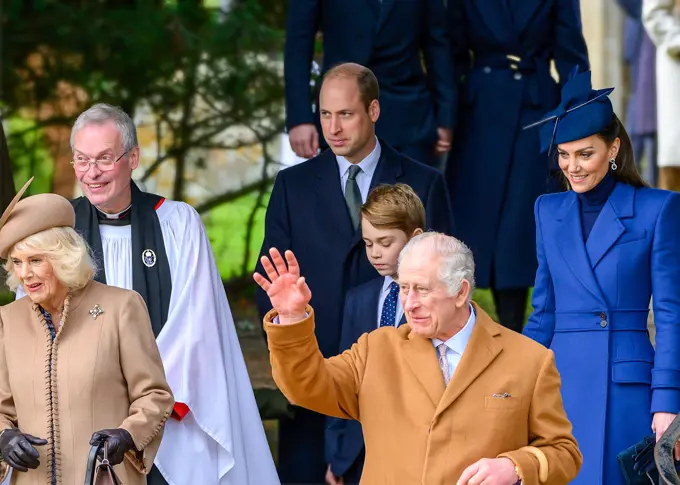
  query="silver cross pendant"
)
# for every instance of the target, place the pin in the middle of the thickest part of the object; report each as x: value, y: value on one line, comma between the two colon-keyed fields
x: 96, y: 311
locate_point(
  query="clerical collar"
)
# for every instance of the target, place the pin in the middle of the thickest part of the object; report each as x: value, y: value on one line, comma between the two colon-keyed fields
x: 598, y: 195
x: 121, y: 218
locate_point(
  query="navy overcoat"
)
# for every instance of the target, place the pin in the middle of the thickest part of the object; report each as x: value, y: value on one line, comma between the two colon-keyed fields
x: 495, y: 169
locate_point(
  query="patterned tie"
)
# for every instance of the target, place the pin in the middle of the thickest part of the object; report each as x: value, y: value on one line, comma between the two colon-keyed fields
x: 353, y: 195
x: 443, y: 362
x: 389, y: 309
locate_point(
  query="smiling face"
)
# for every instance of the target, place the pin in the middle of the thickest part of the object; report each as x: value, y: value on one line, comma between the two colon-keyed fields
x: 430, y: 310
x: 38, y: 279
x: 348, y: 127
x: 110, y: 190
x: 585, y: 162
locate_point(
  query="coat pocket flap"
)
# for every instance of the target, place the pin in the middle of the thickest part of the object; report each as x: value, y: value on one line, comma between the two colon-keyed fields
x: 635, y: 372
x: 512, y: 402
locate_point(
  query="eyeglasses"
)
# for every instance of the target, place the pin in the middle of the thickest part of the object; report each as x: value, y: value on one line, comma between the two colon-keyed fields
x: 105, y: 163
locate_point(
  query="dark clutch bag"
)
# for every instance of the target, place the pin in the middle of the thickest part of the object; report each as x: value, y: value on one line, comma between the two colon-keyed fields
x: 637, y: 462
x: 100, y: 473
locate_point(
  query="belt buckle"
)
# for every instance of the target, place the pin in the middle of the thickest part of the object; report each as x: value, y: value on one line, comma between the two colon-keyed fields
x: 514, y: 61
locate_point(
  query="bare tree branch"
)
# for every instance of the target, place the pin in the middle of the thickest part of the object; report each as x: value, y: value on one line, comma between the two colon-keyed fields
x: 233, y: 195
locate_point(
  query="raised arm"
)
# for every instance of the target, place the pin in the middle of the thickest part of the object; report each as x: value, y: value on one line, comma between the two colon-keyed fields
x: 328, y: 386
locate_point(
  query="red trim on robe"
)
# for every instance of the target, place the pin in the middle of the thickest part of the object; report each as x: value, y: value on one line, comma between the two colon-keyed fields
x: 160, y: 203
x: 179, y: 411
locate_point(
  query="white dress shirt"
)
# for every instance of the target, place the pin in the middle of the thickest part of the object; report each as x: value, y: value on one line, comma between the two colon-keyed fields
x: 455, y: 346
x: 381, y: 302
x: 364, y: 177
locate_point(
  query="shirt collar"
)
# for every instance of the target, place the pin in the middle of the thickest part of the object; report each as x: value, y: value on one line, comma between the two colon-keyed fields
x: 459, y: 341
x: 367, y: 165
x: 388, y: 280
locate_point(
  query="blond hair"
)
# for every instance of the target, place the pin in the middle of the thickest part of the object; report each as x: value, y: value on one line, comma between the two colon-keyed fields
x: 67, y: 252
x: 394, y: 207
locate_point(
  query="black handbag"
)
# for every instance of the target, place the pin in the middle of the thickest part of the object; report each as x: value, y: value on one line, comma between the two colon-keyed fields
x: 101, y: 473
x: 637, y: 462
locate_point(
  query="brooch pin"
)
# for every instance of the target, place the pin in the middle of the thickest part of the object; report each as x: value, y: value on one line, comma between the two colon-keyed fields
x: 148, y: 258
x: 503, y: 396
x: 96, y: 311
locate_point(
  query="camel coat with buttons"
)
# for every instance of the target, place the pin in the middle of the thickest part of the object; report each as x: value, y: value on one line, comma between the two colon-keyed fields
x: 503, y: 396
x: 99, y: 373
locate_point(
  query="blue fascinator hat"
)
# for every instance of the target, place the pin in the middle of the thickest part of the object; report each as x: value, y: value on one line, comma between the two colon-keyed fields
x: 583, y: 112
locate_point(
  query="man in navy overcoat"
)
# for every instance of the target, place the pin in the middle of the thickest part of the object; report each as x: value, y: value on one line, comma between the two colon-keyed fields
x: 502, y: 50
x: 392, y: 38
x: 309, y: 213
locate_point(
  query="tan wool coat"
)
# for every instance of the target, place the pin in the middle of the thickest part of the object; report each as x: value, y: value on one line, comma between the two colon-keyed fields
x: 503, y: 396
x: 99, y: 373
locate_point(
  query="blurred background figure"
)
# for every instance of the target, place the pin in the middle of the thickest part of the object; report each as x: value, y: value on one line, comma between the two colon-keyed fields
x: 640, y: 56
x: 390, y: 38
x: 502, y: 50
x: 662, y: 21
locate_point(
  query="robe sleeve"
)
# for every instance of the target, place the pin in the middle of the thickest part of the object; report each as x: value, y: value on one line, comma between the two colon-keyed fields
x: 206, y: 370
x: 8, y: 413
x: 150, y: 398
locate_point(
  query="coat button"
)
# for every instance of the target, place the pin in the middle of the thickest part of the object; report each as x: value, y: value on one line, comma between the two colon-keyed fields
x: 603, y: 323
x: 487, y: 69
x: 518, y: 76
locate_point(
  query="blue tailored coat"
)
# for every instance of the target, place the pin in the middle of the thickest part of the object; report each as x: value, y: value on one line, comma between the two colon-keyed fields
x: 591, y: 303
x: 344, y: 438
x: 495, y: 169
x: 404, y: 42
x: 307, y: 214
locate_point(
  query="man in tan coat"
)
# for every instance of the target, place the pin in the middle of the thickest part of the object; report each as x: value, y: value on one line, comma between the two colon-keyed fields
x: 450, y: 398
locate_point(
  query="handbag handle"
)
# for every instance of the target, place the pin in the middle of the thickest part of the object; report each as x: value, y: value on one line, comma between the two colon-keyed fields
x: 92, y: 460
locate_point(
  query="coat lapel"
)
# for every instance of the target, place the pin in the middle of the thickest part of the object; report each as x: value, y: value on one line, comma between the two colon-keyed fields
x: 374, y: 6
x: 608, y: 227
x: 330, y: 194
x: 524, y: 11
x: 421, y: 358
x: 569, y: 238
x: 385, y: 9
x: 481, y: 351
x: 495, y: 15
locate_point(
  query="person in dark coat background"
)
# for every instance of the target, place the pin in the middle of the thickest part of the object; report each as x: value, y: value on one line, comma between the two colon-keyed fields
x: 640, y: 56
x: 314, y: 210
x: 605, y: 248
x: 392, y: 38
x: 502, y: 51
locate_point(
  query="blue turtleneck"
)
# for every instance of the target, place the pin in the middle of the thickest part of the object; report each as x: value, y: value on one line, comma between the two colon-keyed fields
x: 593, y: 201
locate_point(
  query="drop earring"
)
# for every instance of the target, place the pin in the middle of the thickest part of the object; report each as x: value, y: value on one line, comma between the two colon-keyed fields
x: 613, y: 163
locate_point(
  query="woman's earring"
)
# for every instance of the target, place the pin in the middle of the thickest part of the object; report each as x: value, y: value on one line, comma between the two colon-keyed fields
x: 613, y: 163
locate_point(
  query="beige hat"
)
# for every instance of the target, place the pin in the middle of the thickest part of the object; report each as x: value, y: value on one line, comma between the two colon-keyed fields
x: 32, y: 215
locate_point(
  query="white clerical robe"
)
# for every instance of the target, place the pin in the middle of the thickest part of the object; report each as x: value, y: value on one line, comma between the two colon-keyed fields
x: 221, y: 441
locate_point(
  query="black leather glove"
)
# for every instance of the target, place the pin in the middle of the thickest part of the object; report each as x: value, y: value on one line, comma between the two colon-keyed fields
x: 119, y: 441
x: 17, y: 449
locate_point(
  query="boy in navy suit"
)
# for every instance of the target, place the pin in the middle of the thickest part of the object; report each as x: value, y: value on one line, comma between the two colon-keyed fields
x: 391, y: 216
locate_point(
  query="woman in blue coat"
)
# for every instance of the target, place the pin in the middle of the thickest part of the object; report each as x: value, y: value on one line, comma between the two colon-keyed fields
x: 604, y: 248
x: 502, y: 50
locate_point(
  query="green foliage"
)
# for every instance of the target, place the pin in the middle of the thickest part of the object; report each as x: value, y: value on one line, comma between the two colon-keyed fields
x: 30, y: 157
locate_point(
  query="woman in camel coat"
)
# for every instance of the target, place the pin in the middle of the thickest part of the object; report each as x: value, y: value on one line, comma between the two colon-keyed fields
x: 78, y: 359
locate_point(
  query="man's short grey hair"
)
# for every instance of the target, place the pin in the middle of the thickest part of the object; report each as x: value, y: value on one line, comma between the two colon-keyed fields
x: 456, y: 262
x: 103, y: 113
